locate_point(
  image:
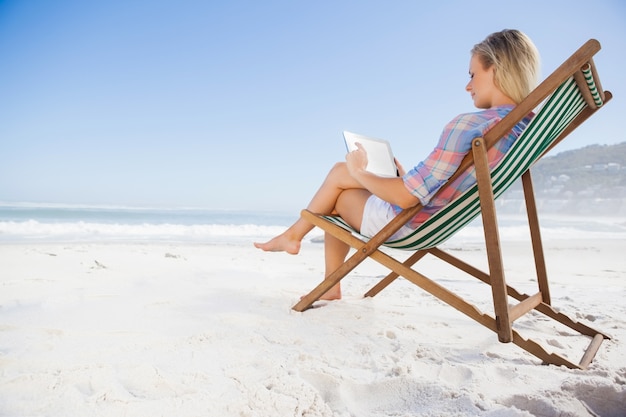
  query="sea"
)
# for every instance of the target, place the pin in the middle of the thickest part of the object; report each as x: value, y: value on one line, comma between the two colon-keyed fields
x: 21, y: 223
x: 72, y: 223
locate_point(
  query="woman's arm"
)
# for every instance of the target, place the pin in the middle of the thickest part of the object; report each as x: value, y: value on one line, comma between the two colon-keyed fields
x: 391, y: 190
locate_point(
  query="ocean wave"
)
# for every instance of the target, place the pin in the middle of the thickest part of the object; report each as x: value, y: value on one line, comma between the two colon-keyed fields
x: 511, y: 229
x: 35, y: 230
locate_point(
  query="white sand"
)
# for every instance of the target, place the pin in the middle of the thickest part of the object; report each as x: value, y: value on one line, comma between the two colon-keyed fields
x: 207, y: 330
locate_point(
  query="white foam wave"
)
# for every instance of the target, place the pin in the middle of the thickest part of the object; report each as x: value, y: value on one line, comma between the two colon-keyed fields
x: 511, y: 229
x: 34, y: 230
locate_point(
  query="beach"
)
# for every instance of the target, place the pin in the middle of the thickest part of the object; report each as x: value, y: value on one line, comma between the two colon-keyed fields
x: 186, y: 321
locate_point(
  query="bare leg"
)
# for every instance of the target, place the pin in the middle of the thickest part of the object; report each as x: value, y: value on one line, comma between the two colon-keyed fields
x: 324, y: 201
x: 335, y: 252
x: 338, y: 194
x: 350, y: 206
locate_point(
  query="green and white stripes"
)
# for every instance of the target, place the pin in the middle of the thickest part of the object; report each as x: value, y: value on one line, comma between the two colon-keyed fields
x: 595, y: 94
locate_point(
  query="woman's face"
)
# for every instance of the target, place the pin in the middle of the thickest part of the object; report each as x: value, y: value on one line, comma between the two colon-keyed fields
x: 481, y: 85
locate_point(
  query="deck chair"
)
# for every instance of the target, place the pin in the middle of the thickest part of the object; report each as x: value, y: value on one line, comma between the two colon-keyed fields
x: 567, y: 97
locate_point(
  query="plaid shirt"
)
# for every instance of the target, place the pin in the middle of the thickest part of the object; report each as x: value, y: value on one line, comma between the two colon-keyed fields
x: 425, y: 179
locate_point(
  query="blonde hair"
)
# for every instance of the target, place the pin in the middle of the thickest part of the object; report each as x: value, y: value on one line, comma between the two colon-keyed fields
x: 516, y: 62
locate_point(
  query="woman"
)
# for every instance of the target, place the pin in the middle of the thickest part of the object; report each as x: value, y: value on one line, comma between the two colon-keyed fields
x: 503, y: 70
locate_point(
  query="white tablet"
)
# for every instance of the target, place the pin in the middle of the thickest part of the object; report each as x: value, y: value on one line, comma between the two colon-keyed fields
x: 380, y: 159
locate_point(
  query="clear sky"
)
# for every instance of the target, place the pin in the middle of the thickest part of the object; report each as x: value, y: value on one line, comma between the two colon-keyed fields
x: 240, y: 104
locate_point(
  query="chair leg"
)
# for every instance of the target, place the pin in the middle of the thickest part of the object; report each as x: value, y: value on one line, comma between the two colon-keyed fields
x: 492, y: 241
x: 343, y: 270
x: 535, y: 237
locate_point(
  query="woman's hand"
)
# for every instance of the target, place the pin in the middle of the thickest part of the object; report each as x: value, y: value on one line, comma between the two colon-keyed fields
x: 388, y: 189
x: 356, y: 160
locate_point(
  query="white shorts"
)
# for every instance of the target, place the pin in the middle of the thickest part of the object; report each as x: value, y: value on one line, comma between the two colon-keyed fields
x: 376, y: 214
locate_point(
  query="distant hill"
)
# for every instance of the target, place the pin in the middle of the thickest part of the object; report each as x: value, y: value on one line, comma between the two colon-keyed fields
x: 589, y: 155
x: 581, y: 181
x: 598, y: 170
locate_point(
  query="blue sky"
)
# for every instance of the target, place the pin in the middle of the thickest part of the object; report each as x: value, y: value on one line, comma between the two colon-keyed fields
x: 241, y: 104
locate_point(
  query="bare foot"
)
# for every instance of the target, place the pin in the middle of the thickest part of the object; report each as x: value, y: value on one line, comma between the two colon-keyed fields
x: 331, y: 295
x: 281, y: 243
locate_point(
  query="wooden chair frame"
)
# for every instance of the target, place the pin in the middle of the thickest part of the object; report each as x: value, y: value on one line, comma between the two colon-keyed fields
x: 504, y: 314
